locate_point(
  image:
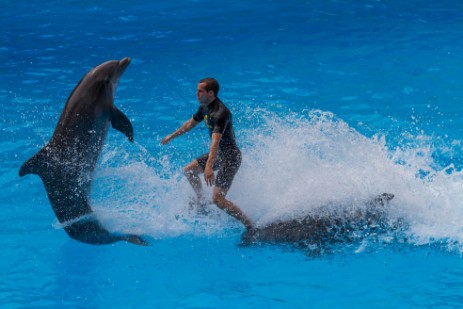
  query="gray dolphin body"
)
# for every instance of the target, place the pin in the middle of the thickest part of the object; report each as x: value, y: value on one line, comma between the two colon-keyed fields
x: 324, y: 227
x: 66, y: 164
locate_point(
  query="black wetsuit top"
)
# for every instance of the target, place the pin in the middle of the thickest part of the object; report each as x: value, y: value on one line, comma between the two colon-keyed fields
x: 218, y: 119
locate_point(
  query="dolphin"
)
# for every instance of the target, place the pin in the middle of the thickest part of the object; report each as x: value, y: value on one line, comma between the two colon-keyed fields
x: 67, y: 163
x: 324, y: 226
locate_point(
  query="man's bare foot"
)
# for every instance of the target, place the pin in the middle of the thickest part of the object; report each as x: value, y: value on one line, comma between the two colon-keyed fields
x: 199, y: 205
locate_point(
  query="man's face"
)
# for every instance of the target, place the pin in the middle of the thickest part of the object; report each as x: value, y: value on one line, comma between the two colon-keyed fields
x: 204, y: 97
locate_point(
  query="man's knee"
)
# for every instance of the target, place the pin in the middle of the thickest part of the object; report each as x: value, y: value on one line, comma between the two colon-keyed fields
x: 187, y: 171
x: 192, y: 168
x: 217, y: 197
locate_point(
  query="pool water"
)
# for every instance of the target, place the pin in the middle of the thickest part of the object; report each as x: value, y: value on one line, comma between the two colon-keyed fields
x: 333, y: 102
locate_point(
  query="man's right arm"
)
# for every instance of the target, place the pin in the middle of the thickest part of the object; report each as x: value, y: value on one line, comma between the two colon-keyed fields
x: 187, y: 126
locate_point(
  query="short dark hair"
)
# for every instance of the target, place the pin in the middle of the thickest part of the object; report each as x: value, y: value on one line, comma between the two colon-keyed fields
x: 211, y: 84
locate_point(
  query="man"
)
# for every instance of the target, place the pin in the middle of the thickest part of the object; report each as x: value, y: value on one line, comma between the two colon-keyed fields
x: 224, y: 155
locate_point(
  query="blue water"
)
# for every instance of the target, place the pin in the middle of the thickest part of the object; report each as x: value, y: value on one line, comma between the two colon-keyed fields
x: 333, y: 103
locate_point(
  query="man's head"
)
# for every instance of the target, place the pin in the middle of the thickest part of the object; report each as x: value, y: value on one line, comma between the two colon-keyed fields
x: 207, y: 91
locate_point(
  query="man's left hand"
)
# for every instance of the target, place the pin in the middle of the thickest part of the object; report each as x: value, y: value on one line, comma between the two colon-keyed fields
x: 209, y: 176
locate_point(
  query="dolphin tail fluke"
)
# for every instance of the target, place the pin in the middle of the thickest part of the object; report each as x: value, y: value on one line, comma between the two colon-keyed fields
x: 120, y: 122
x: 34, y: 165
x: 136, y: 240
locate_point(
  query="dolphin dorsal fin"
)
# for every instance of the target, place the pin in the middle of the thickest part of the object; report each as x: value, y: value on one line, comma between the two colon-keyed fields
x: 120, y: 122
x: 36, y: 164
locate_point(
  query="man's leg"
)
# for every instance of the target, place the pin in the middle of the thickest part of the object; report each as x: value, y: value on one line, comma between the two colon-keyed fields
x: 218, y: 197
x: 191, y: 171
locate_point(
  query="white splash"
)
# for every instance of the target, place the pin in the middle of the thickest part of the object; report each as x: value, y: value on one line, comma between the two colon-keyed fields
x: 291, y: 166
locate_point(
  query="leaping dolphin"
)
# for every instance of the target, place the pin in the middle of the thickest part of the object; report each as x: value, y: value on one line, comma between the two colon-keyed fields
x: 67, y: 163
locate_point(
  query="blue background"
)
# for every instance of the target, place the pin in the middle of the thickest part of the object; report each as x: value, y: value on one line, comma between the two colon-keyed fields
x: 333, y: 101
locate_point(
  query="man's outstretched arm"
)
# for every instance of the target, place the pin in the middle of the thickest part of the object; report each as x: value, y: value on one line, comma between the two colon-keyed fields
x: 187, y: 126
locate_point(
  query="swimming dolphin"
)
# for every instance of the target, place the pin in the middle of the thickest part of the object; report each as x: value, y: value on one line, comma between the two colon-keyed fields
x: 66, y: 164
x: 324, y: 226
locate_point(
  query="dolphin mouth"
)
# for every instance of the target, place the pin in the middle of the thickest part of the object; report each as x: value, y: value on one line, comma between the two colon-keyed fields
x: 123, y: 64
x: 118, y: 70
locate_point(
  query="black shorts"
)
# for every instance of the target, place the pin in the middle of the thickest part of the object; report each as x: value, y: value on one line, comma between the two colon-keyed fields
x: 227, y: 166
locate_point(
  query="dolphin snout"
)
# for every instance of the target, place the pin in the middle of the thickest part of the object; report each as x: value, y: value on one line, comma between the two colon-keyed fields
x: 123, y: 63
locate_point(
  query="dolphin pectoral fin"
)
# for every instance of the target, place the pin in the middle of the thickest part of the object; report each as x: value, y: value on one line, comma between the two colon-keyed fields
x: 120, y: 122
x: 34, y: 165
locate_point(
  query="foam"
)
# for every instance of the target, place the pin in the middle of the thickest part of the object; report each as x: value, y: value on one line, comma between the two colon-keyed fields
x: 292, y: 165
